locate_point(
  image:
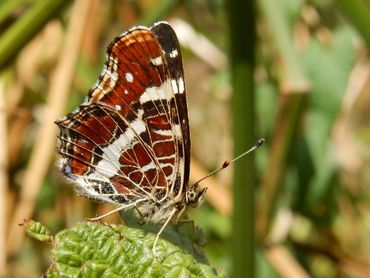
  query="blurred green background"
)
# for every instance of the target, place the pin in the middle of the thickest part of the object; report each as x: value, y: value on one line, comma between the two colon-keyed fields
x: 307, y: 208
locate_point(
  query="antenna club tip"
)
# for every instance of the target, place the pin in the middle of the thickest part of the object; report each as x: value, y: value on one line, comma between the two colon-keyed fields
x: 226, y: 164
x: 260, y: 142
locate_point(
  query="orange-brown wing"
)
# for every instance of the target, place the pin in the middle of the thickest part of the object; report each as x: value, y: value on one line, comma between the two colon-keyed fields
x: 129, y: 140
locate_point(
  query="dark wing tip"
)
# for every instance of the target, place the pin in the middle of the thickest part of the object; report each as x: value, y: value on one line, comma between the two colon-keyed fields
x: 166, y: 36
x: 260, y: 142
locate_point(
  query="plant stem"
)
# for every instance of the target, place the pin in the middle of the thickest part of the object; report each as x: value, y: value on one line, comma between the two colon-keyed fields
x: 27, y: 26
x: 242, y: 38
x: 358, y: 12
x: 7, y: 8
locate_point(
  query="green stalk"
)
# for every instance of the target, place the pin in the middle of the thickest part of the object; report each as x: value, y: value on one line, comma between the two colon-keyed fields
x: 242, y: 39
x: 27, y: 26
x: 358, y: 13
x: 7, y: 7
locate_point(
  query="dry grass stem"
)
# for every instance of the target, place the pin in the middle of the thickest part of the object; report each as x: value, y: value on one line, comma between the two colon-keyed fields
x: 284, y: 263
x: 43, y: 149
x: 350, y: 157
x: 358, y: 78
x: 3, y: 179
x: 288, y: 120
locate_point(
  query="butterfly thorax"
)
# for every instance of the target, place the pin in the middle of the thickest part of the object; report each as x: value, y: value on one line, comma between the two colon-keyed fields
x: 157, y: 211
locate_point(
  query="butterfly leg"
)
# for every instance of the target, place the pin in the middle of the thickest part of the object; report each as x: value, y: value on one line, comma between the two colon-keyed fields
x: 106, y: 214
x: 162, y: 229
x: 113, y: 211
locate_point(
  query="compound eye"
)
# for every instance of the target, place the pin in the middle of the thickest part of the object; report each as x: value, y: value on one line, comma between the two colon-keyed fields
x: 192, y: 196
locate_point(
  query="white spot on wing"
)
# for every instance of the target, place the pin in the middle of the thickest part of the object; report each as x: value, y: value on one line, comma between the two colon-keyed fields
x: 163, y: 132
x: 181, y: 85
x: 174, y: 86
x: 177, y: 131
x: 157, y: 61
x: 174, y: 53
x: 118, y: 107
x: 129, y: 77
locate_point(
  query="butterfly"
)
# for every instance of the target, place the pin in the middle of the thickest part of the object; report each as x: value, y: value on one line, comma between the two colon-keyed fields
x: 128, y: 143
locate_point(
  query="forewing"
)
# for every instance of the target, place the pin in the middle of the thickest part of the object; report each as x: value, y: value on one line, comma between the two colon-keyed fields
x: 130, y: 139
x: 166, y: 37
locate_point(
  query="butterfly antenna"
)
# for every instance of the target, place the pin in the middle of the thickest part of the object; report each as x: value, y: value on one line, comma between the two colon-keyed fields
x: 228, y: 162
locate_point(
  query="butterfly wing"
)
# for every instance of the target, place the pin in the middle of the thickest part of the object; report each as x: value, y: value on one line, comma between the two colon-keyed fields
x: 129, y: 140
x: 166, y: 37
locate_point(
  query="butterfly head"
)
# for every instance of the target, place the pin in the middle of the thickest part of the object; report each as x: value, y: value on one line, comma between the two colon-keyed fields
x: 195, y: 195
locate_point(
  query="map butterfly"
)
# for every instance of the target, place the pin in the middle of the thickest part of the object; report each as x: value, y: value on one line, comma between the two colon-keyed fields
x: 128, y: 143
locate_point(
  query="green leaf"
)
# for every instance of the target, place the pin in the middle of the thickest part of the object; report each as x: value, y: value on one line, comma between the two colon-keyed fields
x: 91, y: 249
x: 37, y: 231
